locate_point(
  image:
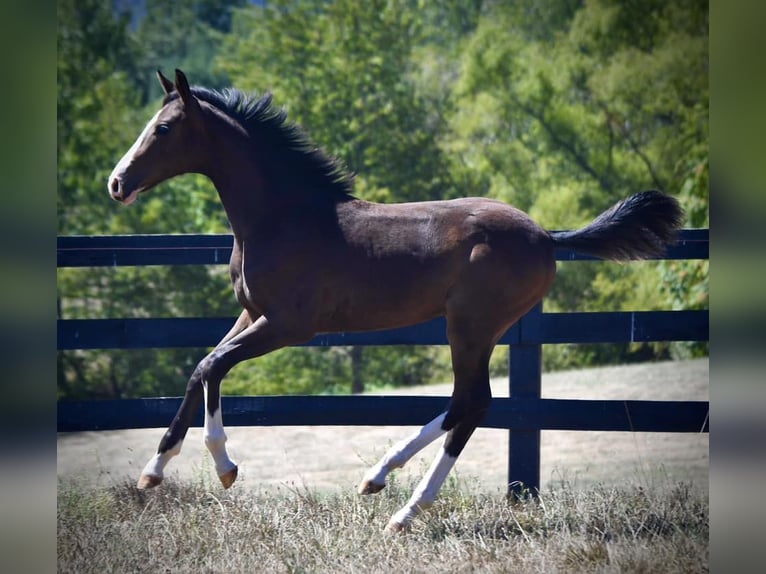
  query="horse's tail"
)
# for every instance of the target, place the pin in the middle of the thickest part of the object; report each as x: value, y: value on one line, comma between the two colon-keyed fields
x: 637, y: 228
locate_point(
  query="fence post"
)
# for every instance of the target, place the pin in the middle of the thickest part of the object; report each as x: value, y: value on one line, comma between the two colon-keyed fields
x: 525, y: 381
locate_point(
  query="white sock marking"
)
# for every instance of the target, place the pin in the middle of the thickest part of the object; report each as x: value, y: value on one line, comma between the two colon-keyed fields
x: 404, y: 450
x: 215, y: 439
x: 156, y: 466
x: 427, y: 489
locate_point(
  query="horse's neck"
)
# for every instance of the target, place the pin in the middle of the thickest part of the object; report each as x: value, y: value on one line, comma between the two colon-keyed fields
x: 243, y: 209
x: 252, y: 204
x: 241, y: 185
x: 253, y: 195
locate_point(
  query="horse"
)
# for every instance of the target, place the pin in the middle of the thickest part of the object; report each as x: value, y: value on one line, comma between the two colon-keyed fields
x: 309, y: 257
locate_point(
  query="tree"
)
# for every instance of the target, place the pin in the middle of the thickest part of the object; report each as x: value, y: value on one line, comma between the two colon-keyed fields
x: 183, y: 35
x: 344, y: 71
x: 344, y: 79
x: 564, y: 108
x: 99, y: 114
x: 560, y: 107
x: 95, y: 70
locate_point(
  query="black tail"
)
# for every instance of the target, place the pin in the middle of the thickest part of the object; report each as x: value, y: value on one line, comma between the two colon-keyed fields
x: 637, y: 228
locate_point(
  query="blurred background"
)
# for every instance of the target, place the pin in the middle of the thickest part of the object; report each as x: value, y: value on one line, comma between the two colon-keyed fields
x: 559, y: 107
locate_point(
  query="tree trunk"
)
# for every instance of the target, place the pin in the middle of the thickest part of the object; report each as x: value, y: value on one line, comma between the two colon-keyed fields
x: 357, y: 384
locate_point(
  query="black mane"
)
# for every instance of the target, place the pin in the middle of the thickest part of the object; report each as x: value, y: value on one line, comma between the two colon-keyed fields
x: 291, y: 155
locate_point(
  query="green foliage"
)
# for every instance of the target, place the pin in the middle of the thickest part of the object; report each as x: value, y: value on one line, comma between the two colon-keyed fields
x: 564, y: 109
x: 331, y: 370
x: 183, y: 35
x: 346, y: 79
x: 559, y: 107
x: 95, y: 55
x: 181, y: 291
x: 99, y: 115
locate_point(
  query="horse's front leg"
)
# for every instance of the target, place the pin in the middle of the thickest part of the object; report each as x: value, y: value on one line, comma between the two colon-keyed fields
x: 172, y: 440
x: 262, y: 337
x: 253, y: 339
x: 215, y: 437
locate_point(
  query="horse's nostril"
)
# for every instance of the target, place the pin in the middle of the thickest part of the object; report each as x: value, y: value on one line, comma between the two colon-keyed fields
x: 114, y: 187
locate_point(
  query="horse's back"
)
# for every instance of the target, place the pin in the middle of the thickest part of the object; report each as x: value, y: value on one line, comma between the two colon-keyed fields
x: 407, y: 258
x: 464, y: 225
x: 449, y: 217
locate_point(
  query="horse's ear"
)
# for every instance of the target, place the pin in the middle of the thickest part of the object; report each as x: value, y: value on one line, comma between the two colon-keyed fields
x: 182, y: 85
x: 166, y: 84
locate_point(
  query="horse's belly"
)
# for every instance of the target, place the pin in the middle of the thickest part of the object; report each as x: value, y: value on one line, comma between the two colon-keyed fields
x: 386, y: 301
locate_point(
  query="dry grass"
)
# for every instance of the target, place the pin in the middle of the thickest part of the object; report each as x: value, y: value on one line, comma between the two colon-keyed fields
x: 610, y: 502
x: 196, y: 527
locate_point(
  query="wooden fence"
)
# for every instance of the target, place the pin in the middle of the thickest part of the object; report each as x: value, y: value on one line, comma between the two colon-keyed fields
x: 524, y: 413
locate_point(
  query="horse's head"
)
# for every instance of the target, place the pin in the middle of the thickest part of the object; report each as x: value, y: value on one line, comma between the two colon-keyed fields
x: 167, y: 147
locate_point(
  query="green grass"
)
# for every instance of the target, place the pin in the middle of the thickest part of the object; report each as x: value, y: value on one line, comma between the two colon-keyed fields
x: 197, y: 527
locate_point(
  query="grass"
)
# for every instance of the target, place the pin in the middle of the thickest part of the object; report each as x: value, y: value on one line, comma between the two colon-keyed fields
x: 612, y: 502
x: 194, y: 526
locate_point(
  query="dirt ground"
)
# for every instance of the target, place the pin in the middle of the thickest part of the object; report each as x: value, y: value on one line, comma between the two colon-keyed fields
x: 328, y: 458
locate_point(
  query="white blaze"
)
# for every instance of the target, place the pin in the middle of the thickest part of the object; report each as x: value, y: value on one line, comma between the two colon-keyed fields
x: 127, y: 159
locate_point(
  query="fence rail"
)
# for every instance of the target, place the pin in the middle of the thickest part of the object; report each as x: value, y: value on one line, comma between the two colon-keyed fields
x: 552, y: 328
x: 525, y: 413
x: 352, y: 410
x: 214, y: 249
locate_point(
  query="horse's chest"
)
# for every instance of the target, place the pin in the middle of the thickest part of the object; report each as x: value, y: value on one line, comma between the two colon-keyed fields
x: 243, y: 288
x: 258, y: 282
x: 240, y: 289
x: 238, y: 283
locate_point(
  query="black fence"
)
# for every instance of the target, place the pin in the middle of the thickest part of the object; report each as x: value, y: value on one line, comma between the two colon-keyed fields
x: 524, y: 413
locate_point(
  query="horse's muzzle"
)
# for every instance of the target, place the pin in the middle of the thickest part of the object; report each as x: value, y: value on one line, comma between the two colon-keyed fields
x: 117, y: 191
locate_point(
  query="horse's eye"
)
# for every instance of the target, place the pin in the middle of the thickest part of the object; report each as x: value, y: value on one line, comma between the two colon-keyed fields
x: 162, y: 129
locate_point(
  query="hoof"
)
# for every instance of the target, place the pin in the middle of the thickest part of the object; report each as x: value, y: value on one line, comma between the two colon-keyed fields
x: 146, y: 481
x: 369, y: 487
x: 394, y: 527
x: 228, y: 478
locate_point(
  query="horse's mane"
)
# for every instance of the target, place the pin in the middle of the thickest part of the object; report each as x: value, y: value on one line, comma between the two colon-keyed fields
x: 290, y: 154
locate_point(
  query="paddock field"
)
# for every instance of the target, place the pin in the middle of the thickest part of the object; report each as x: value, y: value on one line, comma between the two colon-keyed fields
x: 332, y: 459
x: 610, y: 502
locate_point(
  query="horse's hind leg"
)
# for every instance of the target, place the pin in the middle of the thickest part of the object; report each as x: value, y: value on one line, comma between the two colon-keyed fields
x: 470, y: 401
x: 171, y: 442
x: 398, y: 455
x: 428, y: 488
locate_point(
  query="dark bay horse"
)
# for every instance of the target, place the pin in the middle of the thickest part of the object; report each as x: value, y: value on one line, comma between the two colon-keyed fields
x: 310, y: 258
